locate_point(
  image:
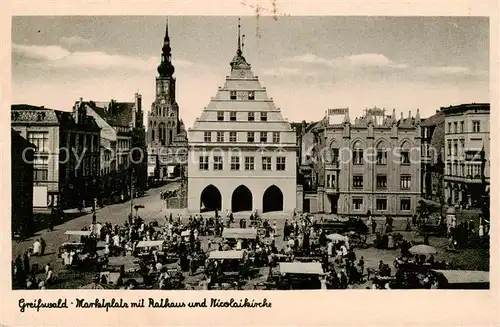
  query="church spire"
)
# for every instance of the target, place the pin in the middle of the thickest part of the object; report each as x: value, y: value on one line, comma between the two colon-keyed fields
x: 166, y: 69
x: 239, y: 52
x: 238, y: 60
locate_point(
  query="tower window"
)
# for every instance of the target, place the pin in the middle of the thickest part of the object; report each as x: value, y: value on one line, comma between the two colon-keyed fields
x: 207, y: 137
x: 218, y: 163
x: 232, y: 95
x: 235, y: 163
x: 232, y: 116
x: 280, y: 163
x: 263, y: 137
x: 276, y: 137
x: 251, y: 95
x: 263, y: 116
x: 220, y: 115
x: 249, y: 163
x: 251, y: 116
x: 266, y: 163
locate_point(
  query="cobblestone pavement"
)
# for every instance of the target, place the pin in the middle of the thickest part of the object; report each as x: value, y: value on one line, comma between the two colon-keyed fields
x: 154, y: 208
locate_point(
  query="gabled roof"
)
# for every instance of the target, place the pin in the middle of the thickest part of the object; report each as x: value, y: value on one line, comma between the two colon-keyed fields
x: 114, y: 113
x: 436, y: 119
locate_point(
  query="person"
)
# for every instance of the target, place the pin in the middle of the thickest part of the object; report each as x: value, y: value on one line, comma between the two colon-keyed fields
x: 323, y: 283
x: 426, y: 239
x: 361, y: 265
x: 369, y: 224
x: 49, y: 278
x: 374, y: 227
x: 408, y: 225
x: 37, y: 247
x: 43, y: 245
x: 26, y: 263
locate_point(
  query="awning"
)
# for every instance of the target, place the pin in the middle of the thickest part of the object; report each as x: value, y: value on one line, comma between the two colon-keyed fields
x: 239, y: 233
x: 307, y: 268
x: 78, y: 232
x: 465, y: 276
x: 145, y: 244
x: 185, y: 233
x: 226, y: 255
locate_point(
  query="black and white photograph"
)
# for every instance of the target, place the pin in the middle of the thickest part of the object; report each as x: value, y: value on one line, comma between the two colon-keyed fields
x: 250, y: 153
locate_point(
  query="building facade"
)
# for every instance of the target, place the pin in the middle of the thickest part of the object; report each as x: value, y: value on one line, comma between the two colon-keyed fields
x: 66, y: 158
x: 21, y: 185
x: 121, y: 126
x: 467, y: 149
x: 242, y: 152
x: 433, y: 158
x: 166, y: 134
x: 369, y: 166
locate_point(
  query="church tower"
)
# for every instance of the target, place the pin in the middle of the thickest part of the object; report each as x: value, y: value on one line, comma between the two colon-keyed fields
x: 166, y: 137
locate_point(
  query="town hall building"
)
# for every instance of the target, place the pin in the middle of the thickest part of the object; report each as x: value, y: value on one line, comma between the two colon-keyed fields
x: 242, y: 152
x: 166, y: 134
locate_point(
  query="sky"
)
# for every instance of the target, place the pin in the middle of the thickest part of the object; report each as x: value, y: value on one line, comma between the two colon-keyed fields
x: 307, y: 64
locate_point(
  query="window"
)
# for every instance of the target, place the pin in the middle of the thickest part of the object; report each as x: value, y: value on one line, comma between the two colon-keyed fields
x: 220, y: 115
x: 449, y: 128
x: 251, y: 95
x: 405, y: 157
x: 208, y: 137
x: 455, y: 127
x: 40, y: 140
x: 232, y: 116
x: 280, y: 163
x: 266, y: 163
x: 235, y: 163
x: 357, y: 204
x: 476, y: 126
x: 220, y: 137
x: 381, y: 204
x: 462, y: 146
x: 203, y: 162
x: 232, y: 95
x: 263, y: 116
x: 328, y: 179
x: 405, y: 204
x: 462, y: 127
x: 276, y: 137
x: 357, y: 156
x: 263, y: 137
x: 455, y: 147
x: 218, y: 163
x: 449, y: 147
x: 249, y: 163
x: 335, y: 155
x: 381, y: 181
x: 232, y: 136
x: 250, y: 137
x: 357, y: 181
x: 405, y: 181
x: 41, y: 168
x: 251, y: 116
x: 381, y: 157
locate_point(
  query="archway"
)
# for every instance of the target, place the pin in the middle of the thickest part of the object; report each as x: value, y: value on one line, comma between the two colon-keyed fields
x: 273, y: 199
x: 241, y: 199
x: 210, y: 199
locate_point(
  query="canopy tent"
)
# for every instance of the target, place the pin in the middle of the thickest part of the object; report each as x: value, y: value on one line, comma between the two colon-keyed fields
x: 185, y: 233
x: 78, y: 232
x: 226, y: 255
x: 422, y: 249
x: 465, y: 276
x: 239, y: 233
x: 146, y: 244
x: 306, y: 268
x: 336, y: 237
x: 96, y: 286
x: 128, y: 262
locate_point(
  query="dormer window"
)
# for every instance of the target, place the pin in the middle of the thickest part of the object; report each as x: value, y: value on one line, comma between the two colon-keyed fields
x: 251, y: 116
x: 220, y: 115
x: 263, y: 116
x: 232, y: 95
x: 251, y: 95
x: 232, y: 116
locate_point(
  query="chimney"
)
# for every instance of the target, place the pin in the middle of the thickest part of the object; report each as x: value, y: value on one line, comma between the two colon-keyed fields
x: 402, y: 115
x: 409, y: 114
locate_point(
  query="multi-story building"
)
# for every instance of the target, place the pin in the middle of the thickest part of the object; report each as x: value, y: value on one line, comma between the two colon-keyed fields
x: 166, y: 134
x: 467, y: 153
x: 433, y: 158
x: 21, y: 185
x: 66, y: 158
x: 369, y: 166
x: 120, y: 123
x: 242, y: 152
